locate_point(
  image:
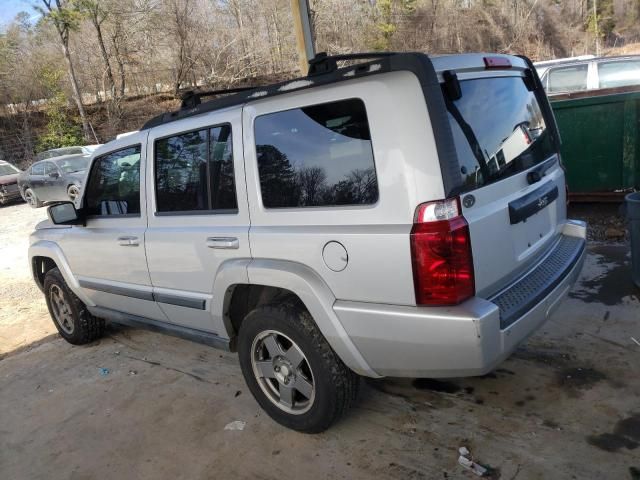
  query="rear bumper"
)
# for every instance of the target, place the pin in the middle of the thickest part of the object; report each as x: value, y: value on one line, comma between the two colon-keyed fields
x: 473, y: 337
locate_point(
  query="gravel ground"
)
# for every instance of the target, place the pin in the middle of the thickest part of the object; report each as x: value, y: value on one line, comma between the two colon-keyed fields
x: 606, y: 221
x: 21, y: 322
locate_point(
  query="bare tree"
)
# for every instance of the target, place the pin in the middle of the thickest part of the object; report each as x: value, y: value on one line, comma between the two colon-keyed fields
x: 181, y: 17
x: 65, y: 20
x: 97, y: 14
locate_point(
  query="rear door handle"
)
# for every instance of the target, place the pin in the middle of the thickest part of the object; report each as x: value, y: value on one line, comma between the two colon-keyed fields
x: 223, y: 242
x: 128, y: 241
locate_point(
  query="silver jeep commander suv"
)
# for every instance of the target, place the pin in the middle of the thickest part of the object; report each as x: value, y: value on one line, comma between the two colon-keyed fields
x: 403, y: 216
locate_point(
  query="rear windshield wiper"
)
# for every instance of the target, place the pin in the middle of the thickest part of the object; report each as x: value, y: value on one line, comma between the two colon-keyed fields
x: 466, y: 130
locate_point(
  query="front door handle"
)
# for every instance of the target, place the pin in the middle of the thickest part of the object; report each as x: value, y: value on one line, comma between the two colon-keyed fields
x: 128, y: 241
x: 223, y: 242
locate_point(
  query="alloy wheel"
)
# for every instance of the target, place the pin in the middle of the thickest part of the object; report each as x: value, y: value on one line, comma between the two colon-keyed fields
x: 73, y: 192
x: 30, y: 198
x: 283, y: 372
x: 61, y: 309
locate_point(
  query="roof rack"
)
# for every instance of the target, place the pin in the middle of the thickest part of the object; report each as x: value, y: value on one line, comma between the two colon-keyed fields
x: 323, y: 63
x: 191, y: 98
x: 323, y: 69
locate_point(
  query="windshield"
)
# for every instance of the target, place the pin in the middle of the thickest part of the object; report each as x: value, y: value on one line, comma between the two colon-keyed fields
x: 70, y: 165
x: 498, y: 129
x: 6, y: 169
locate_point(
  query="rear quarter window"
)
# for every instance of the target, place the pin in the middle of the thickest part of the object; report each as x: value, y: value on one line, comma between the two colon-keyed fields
x: 320, y: 155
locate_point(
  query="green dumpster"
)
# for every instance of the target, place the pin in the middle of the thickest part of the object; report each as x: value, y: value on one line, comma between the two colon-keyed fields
x: 600, y: 139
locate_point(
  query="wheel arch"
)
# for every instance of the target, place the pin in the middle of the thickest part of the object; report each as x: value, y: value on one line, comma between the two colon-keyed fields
x: 269, y: 279
x: 45, y: 255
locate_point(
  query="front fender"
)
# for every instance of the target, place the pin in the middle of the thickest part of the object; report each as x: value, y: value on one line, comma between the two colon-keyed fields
x: 317, y: 298
x: 49, y: 249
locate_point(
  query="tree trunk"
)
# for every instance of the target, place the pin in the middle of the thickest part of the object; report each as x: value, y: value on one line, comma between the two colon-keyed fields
x: 27, y: 133
x: 86, y: 130
x: 122, y: 75
x: 105, y: 58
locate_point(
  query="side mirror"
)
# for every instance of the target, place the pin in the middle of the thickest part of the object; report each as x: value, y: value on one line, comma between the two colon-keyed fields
x: 64, y: 213
x: 54, y: 175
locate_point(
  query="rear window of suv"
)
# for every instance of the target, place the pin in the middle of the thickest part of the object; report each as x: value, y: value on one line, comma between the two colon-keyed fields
x: 499, y: 130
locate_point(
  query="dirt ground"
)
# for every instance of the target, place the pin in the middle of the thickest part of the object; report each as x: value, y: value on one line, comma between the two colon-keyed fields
x: 565, y: 406
x: 24, y: 318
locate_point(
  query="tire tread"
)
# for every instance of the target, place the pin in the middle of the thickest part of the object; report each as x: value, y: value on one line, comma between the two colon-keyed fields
x: 88, y: 327
x: 347, y: 383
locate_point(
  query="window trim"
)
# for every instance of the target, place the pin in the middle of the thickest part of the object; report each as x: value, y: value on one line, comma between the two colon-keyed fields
x: 219, y: 211
x: 209, y: 211
x: 318, y: 207
x: 86, y: 188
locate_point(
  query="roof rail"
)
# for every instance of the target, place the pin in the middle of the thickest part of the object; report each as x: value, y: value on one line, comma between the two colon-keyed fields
x: 324, y: 63
x: 191, y: 98
x: 323, y: 71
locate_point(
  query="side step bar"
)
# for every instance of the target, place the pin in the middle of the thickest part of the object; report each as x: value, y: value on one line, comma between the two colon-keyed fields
x: 198, y: 336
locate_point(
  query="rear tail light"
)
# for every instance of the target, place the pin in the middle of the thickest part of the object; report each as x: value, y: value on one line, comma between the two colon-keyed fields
x: 441, y: 254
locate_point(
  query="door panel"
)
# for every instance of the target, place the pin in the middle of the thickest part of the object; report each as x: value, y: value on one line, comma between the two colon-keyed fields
x: 54, y: 185
x: 312, y: 189
x: 36, y: 179
x: 193, y: 225
x: 107, y: 255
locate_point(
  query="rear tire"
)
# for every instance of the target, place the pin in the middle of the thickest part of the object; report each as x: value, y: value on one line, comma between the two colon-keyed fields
x: 31, y: 198
x: 282, y: 350
x: 70, y: 316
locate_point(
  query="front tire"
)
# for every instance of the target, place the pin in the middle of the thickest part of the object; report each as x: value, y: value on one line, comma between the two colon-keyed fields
x: 73, y: 192
x: 291, y: 370
x: 70, y: 316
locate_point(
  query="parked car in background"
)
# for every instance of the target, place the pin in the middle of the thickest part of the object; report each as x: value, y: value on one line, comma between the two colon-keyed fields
x: 58, y: 152
x: 590, y: 74
x: 543, y: 66
x: 59, y: 178
x: 8, y: 182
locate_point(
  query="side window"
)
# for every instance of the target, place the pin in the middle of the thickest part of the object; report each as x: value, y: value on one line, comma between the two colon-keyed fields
x: 316, y: 156
x: 194, y: 171
x: 50, y: 168
x: 568, y: 79
x: 37, y: 169
x: 619, y: 74
x: 113, y: 187
x: 223, y: 187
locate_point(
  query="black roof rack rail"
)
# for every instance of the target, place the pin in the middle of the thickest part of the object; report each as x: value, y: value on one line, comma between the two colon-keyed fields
x: 191, y: 98
x: 324, y: 63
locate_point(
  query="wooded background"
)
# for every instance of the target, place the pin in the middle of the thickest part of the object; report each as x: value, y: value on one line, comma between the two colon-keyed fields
x: 86, y: 70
